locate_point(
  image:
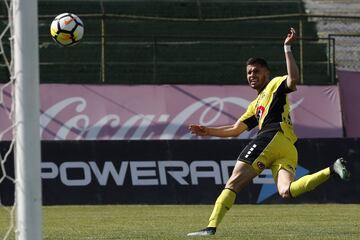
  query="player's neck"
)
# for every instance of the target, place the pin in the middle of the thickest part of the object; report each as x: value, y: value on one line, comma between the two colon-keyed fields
x: 263, y: 87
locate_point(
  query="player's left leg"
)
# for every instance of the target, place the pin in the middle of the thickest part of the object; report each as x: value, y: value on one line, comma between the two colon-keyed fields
x: 310, y: 182
x: 288, y: 188
x: 283, y: 170
x: 284, y: 167
x: 283, y: 180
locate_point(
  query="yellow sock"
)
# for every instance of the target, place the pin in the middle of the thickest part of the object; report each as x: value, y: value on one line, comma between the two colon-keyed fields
x: 223, y: 203
x: 309, y: 182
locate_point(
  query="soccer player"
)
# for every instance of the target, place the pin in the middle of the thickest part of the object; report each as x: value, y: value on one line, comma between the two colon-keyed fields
x: 273, y: 146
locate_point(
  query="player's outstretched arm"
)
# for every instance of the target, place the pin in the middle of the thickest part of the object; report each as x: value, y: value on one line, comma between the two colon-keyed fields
x: 224, y: 131
x: 292, y: 68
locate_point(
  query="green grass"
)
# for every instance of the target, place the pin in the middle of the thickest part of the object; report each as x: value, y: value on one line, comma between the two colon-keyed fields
x: 321, y: 221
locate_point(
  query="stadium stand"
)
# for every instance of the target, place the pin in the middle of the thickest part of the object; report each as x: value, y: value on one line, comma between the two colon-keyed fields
x: 183, y: 42
x: 345, y: 31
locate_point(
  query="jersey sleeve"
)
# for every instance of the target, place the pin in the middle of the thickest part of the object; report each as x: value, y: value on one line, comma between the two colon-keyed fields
x: 249, y: 117
x: 283, y: 87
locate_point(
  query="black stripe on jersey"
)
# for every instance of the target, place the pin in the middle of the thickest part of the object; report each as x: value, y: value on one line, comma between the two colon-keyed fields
x: 251, y: 122
x: 277, y: 104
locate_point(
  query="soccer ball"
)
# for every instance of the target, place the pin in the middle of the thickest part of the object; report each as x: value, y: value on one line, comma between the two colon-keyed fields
x: 67, y: 29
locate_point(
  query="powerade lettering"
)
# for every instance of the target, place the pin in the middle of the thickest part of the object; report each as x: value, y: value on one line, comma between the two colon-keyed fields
x: 153, y: 173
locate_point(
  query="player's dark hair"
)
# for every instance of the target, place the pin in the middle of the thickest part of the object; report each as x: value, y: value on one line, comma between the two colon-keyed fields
x: 260, y: 61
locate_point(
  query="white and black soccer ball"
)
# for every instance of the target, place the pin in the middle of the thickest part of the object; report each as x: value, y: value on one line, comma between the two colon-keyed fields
x: 67, y: 29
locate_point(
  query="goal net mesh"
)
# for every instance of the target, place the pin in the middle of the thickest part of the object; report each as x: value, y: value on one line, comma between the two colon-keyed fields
x: 7, y: 179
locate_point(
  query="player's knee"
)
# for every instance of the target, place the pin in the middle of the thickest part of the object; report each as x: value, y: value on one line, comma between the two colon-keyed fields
x: 231, y: 184
x: 285, y: 193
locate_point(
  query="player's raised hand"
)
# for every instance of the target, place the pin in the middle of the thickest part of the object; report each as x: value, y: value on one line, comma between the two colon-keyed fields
x: 291, y: 37
x: 198, y: 130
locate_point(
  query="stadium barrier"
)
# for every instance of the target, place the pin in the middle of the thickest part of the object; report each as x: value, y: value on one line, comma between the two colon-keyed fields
x: 174, y: 172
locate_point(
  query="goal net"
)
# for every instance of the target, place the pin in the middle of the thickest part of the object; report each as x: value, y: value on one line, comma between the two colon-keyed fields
x: 7, y: 178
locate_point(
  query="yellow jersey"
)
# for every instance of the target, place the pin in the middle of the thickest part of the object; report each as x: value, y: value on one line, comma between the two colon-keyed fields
x: 270, y: 110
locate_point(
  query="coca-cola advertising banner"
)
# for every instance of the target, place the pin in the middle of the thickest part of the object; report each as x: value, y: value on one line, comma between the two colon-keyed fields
x: 149, y: 112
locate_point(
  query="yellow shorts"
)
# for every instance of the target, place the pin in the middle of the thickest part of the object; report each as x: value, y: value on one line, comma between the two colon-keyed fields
x: 270, y: 150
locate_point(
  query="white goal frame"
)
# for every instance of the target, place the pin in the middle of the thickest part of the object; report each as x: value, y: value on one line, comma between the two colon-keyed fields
x: 28, y: 190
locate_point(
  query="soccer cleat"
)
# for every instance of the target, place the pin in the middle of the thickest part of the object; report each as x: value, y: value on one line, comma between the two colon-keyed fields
x: 339, y: 167
x: 204, y: 232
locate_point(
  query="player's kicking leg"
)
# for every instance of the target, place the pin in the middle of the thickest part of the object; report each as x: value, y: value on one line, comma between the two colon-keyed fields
x: 310, y: 182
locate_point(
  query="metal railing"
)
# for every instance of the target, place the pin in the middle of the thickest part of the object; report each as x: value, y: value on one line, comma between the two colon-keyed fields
x: 159, y: 54
x: 347, y: 51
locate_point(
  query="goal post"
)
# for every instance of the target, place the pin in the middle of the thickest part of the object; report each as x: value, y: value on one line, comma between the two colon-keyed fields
x: 28, y: 191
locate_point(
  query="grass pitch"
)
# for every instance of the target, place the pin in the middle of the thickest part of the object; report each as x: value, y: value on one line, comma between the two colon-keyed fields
x: 322, y: 221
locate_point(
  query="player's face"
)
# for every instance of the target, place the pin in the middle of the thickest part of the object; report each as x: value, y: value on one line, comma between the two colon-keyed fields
x: 257, y: 76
